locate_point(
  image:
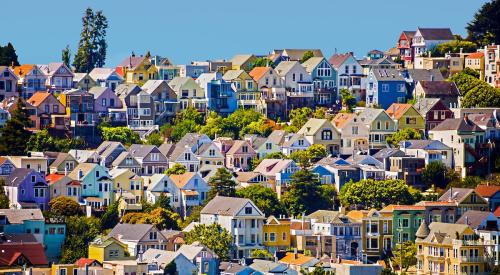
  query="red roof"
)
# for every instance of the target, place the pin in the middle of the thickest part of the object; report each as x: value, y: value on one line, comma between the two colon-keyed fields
x: 51, y: 178
x: 32, y: 252
x: 337, y: 59
x: 82, y: 262
x: 487, y: 191
x: 476, y: 55
x: 497, y: 212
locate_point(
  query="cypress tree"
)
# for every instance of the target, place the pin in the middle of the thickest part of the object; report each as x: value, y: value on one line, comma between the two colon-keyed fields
x: 14, y: 135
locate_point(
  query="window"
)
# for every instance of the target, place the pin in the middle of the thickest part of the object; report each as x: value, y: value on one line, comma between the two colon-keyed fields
x: 97, y: 174
x: 248, y: 210
x: 301, y: 142
x: 405, y: 222
x: 185, y: 93
x: 33, y: 179
x: 63, y: 271
x: 385, y: 87
x: 103, y: 102
x: 326, y: 135
x: 283, y: 236
x: 411, y: 120
x: 354, y: 130
x: 293, y: 77
x: 152, y: 235
x: 272, y: 237
x: 249, y: 85
x: 187, y: 156
x: 244, y: 149
x: 269, y: 146
x: 155, y: 156
x: 265, y: 237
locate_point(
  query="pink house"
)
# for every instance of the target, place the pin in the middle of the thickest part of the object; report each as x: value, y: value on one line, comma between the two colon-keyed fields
x: 239, y: 157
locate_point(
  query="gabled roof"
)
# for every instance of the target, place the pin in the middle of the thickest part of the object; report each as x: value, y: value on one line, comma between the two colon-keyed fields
x: 285, y: 66
x: 124, y: 89
x: 297, y: 54
x: 475, y: 55
x: 38, y: 98
x: 444, y: 232
x: 225, y: 206
x: 342, y: 119
x: 457, y: 124
x: 487, y: 191
x: 436, y: 33
x: 425, y: 144
x: 387, y: 75
x: 443, y: 88
x: 130, y: 232
x: 297, y: 259
x: 239, y: 144
x: 82, y: 262
x: 425, y: 75
x: 388, y: 152
x: 313, y: 125
x: 85, y: 167
x: 240, y: 59
x: 312, y: 63
x: 132, y: 62
x: 34, y: 253
x: 409, y: 34
x: 18, y: 216
x: 424, y: 105
x: 269, y: 167
x: 22, y: 70
x: 456, y: 194
x: 52, y: 178
x: 77, y: 77
x: 17, y: 176
x: 474, y: 218
x: 140, y: 150
x: 107, y: 147
x: 277, y: 137
x: 97, y: 91
x: 292, y: 138
x: 338, y: 59
x: 61, y: 157
x: 101, y: 74
x: 246, y: 176
x: 181, y: 180
x: 397, y: 110
x: 192, y: 250
x: 258, y: 72
x: 232, y: 74
x: 52, y: 68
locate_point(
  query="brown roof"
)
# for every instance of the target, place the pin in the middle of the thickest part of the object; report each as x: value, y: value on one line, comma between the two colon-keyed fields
x: 393, y: 207
x: 38, y: 98
x: 487, y: 191
x: 258, y: 72
x: 397, y: 110
x: 181, y: 180
x: 439, y: 88
x: 33, y: 252
x: 436, y: 33
x: 458, y: 124
x: 337, y: 59
x: 131, y: 62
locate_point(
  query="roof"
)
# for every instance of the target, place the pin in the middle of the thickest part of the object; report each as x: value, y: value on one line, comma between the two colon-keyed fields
x: 240, y: 59
x: 132, y: 62
x: 79, y: 76
x: 140, y: 150
x: 443, y: 88
x: 425, y: 75
x: 291, y: 139
x: 425, y: 144
x: 444, y: 232
x: 107, y: 147
x: 17, y: 238
x: 387, y: 75
x: 17, y: 176
x: 82, y: 262
x: 18, y: 216
x: 258, y: 72
x: 268, y: 267
x: 296, y: 259
x: 284, y: 67
x: 33, y: 252
x: 436, y: 33
x: 474, y: 218
x: 192, y: 250
x: 52, y: 178
x: 424, y: 105
x: 97, y: 91
x: 102, y: 73
x: 181, y: 180
x: 312, y: 63
x: 457, y: 124
x: 338, y: 59
x: 456, y: 194
x: 341, y: 119
x: 475, y: 55
x: 269, y: 167
x: 388, y: 152
x: 232, y: 74
x: 487, y: 191
x: 225, y: 206
x: 104, y: 241
x: 485, y: 120
x: 61, y: 157
x: 409, y: 34
x: 237, y: 145
x: 397, y: 110
x: 297, y: 54
x: 38, y: 98
x: 246, y: 176
x: 130, y: 232
x: 312, y: 126
x: 497, y: 212
x: 22, y: 70
x: 327, y: 216
x: 85, y: 167
x: 394, y: 207
x: 277, y: 136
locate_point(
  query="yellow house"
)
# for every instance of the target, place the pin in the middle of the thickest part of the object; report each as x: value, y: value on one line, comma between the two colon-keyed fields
x: 406, y: 116
x: 137, y: 69
x: 466, y: 198
x: 475, y: 61
x: 63, y: 269
x: 104, y: 248
x: 276, y: 234
x: 128, y: 186
x: 444, y: 248
x: 243, y: 62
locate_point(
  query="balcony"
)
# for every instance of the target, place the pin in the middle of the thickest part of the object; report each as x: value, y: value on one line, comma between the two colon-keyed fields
x: 478, y: 259
x: 473, y: 242
x: 300, y: 94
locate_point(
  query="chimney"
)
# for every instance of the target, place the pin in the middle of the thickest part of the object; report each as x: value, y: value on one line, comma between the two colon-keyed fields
x: 295, y: 256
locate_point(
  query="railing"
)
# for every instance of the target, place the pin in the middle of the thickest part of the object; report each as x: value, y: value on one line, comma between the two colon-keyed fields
x: 478, y: 259
x: 473, y: 242
x: 300, y: 94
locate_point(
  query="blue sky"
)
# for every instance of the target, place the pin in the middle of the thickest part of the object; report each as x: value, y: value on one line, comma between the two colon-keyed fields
x: 202, y: 29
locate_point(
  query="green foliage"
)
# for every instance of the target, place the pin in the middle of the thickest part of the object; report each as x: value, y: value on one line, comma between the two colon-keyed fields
x: 66, y: 56
x: 92, y: 45
x: 408, y: 255
x: 317, y: 152
x: 318, y: 270
x: 275, y: 155
x: 166, y: 130
x: 348, y: 99
x: 320, y: 112
x: 154, y: 139
x: 4, y: 200
x: 237, y: 124
x: 302, y: 158
x: 14, y: 134
x: 262, y: 62
x: 162, y: 218
x: 111, y: 217
x: 241, y: 118
x: 307, y: 55
x: 221, y: 184
x: 120, y: 134
x: 402, y: 135
x: 80, y: 231
x: 467, y: 182
x: 42, y: 141
x: 367, y: 194
x: 299, y: 117
x: 471, y: 72
x: 476, y: 92
x: 213, y: 236
x: 261, y: 254
x: 182, y: 128
x: 453, y: 46
x: 484, y: 28
x: 434, y: 173
x: 305, y: 194
x: 214, y: 126
x: 260, y: 127
x: 194, y: 215
x: 8, y: 55
x: 264, y: 197
x: 64, y: 207
x: 177, y: 169
x: 170, y: 269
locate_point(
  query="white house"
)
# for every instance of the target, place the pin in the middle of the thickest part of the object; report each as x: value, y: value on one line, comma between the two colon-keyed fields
x: 427, y: 38
x: 430, y: 150
x: 293, y: 143
x: 187, y: 190
x: 295, y: 77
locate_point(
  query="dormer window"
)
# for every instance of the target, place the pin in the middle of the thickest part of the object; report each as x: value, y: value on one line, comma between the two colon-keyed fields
x: 244, y: 149
x: 187, y: 156
x: 326, y: 135
x: 97, y: 174
x: 33, y: 179
x: 301, y: 142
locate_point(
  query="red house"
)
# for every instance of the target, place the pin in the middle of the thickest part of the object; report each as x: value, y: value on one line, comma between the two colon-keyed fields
x: 404, y: 46
x: 433, y: 110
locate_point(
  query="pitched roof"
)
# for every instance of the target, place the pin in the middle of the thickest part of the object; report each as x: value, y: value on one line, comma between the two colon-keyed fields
x: 22, y: 70
x: 130, y: 232
x: 338, y: 59
x: 181, y: 180
x: 101, y: 73
x: 425, y: 75
x: 240, y: 59
x: 388, y: 152
x: 18, y: 216
x: 393, y: 207
x: 246, y: 176
x: 52, y: 178
x: 424, y: 105
x: 132, y: 62
x: 459, y: 194
x: 38, y: 98
x: 224, y: 206
x: 341, y: 119
x: 285, y: 66
x: 192, y: 250
x: 269, y: 167
x: 487, y: 191
x: 475, y: 55
x: 237, y: 145
x: 232, y: 74
x: 258, y: 72
x: 426, y: 144
x: 82, y: 262
x: 444, y: 232
x: 497, y: 212
x: 296, y: 259
x: 443, y: 88
x: 409, y: 34
x: 140, y: 150
x: 436, y: 33
x: 277, y: 136
x: 387, y: 75
x: 457, y: 124
x: 17, y: 176
x: 312, y: 63
x: 397, y: 110
x: 312, y: 126
x: 97, y: 91
x: 297, y: 54
x: 474, y: 218
x: 33, y: 252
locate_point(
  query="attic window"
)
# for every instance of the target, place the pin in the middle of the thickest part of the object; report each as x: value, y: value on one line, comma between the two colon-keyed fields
x: 248, y: 210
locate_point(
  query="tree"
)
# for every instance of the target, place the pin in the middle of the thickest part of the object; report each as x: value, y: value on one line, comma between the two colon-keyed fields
x: 162, y: 218
x: 8, y: 56
x: 434, y: 173
x: 302, y: 158
x: 154, y: 139
x: 409, y: 255
x: 262, y: 62
x: 262, y: 127
x: 170, y: 269
x: 348, y: 99
x: 190, y: 113
x: 476, y: 92
x: 182, y: 128
x: 275, y: 155
x: 92, y: 45
x: 366, y: 194
x: 402, y: 135
x: 214, y: 126
x: 214, y: 237
x: 66, y: 56
x: 64, y: 207
x: 221, y: 184
x: 454, y: 46
x: 240, y: 119
x: 305, y: 194
x: 320, y: 113
x: 120, y: 134
x: 317, y: 152
x: 42, y: 141
x: 299, y: 117
x: 484, y: 28
x: 111, y: 217
x: 307, y: 55
x: 80, y: 231
x: 14, y: 134
x: 261, y: 254
x: 468, y: 182
x: 471, y: 72
x: 4, y: 200
x: 177, y: 169
x: 263, y: 197
x: 99, y: 38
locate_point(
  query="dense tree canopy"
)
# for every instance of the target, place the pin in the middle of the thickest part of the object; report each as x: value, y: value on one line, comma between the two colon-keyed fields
x: 64, y: 207
x: 348, y: 99
x: 80, y: 231
x: 162, y: 218
x: 42, y: 141
x: 299, y: 117
x: 221, y: 184
x: 476, y: 92
x: 216, y: 238
x: 264, y: 198
x: 484, y: 28
x: 8, y: 56
x: 120, y: 134
x: 402, y: 135
x: 176, y: 169
x: 92, y: 46
x: 154, y: 138
x: 454, y: 47
x: 408, y: 255
x: 14, y: 134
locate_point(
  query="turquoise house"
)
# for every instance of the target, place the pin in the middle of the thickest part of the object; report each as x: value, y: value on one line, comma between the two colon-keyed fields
x: 324, y: 78
x: 97, y: 185
x: 31, y: 221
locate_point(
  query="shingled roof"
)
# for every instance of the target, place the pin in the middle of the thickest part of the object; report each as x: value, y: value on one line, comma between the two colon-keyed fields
x: 436, y: 33
x: 441, y: 88
x: 457, y: 124
x: 225, y: 206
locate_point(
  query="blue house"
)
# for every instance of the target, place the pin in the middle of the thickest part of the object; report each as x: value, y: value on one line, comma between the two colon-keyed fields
x: 339, y: 172
x: 219, y: 93
x: 324, y: 78
x: 31, y: 221
x: 385, y: 86
x: 27, y: 188
x: 97, y: 185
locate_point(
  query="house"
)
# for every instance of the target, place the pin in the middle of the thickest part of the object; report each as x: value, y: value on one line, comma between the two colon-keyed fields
x: 188, y: 190
x: 324, y: 78
x: 27, y: 188
x: 297, y: 261
x: 491, y: 194
x: 271, y: 267
x: 338, y: 172
x: 322, y: 131
x: 6, y: 167
x: 240, y: 156
x: 385, y: 154
x: 380, y: 126
x: 278, y: 172
x: 109, y: 151
x: 89, y: 156
x: 406, y: 117
x: 413, y: 76
x: 201, y: 256
x: 105, y: 99
x: 8, y: 83
x: 409, y: 169
x: 298, y: 84
x: 350, y: 74
x: 139, y: 105
x: 427, y: 38
x: 276, y: 234
x: 221, y: 97
x: 228, y: 268
x: 35, y: 161
x: 58, y: 76
x: 465, y: 137
x: 106, y: 77
x: 4, y: 117
x: 405, y: 221
x: 293, y: 143
x: 20, y: 255
x: 193, y: 70
x: 383, y: 63
x: 31, y: 79
x: 158, y: 260
x: 272, y: 144
x: 105, y: 248
x: 209, y: 154
x: 265, y: 77
x: 150, y: 158
x: 489, y: 122
x: 80, y: 108
x: 189, y: 94
x: 491, y: 57
x: 433, y: 110
x: 243, y: 62
x: 46, y: 105
x: 129, y: 187
x: 369, y: 167
x: 430, y: 150
x: 444, y: 90
x: 241, y: 218
x: 245, y: 179
x: 466, y: 198
x: 155, y: 186
x: 404, y: 45
x: 353, y: 133
x: 62, y: 185
x: 83, y: 81
x: 385, y: 86
x: 246, y: 89
x: 97, y: 185
x: 475, y: 61
x: 441, y: 248
x: 138, y: 237
x: 136, y: 69
x: 165, y: 100
x: 181, y: 153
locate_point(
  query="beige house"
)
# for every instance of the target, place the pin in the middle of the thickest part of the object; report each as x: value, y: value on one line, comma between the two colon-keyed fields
x: 322, y: 131
x: 36, y: 161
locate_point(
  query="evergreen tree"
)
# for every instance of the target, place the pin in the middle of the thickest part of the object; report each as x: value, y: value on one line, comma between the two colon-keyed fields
x: 8, y: 56
x: 484, y: 28
x: 4, y: 200
x: 14, y: 134
x: 222, y: 184
x: 66, y: 56
x: 92, y: 46
x: 100, y: 26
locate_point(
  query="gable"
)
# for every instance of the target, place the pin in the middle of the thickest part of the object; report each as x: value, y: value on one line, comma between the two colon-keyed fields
x: 254, y: 210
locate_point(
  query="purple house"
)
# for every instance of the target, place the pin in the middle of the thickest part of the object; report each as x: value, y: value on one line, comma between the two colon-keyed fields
x: 27, y: 188
x: 105, y: 99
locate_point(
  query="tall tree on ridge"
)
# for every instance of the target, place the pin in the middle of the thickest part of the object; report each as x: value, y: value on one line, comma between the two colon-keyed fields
x: 66, y: 56
x: 92, y: 46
